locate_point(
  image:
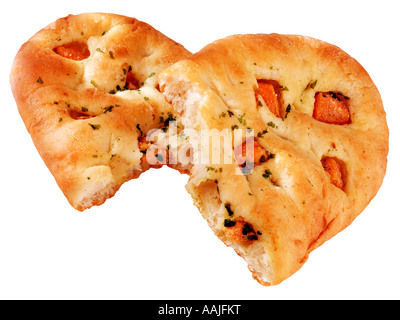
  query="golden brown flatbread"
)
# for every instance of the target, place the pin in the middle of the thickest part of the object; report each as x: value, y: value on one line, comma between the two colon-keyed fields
x: 315, y: 128
x: 86, y: 87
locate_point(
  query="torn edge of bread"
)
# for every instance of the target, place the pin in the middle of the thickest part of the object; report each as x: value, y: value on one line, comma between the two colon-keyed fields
x: 187, y: 101
x: 206, y: 197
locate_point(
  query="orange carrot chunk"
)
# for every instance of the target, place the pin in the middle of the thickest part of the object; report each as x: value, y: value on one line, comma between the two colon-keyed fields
x: 240, y: 231
x: 131, y: 82
x: 75, y: 51
x: 78, y: 115
x: 154, y: 156
x: 250, y: 152
x: 332, y: 166
x: 143, y: 144
x: 332, y: 108
x: 269, y: 90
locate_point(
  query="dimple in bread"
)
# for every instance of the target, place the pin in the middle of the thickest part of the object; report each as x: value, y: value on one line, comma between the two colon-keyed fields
x: 318, y: 129
x: 86, y: 87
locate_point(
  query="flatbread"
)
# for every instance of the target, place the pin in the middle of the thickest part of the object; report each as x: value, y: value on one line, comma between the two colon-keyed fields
x: 318, y: 129
x: 86, y: 87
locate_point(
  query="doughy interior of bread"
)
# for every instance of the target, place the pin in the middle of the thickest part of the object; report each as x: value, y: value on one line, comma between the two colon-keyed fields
x: 207, y: 199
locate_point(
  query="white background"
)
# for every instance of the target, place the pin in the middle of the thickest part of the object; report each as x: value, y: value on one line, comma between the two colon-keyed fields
x: 149, y: 241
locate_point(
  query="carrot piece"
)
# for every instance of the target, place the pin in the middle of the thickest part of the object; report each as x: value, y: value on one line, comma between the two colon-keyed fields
x: 269, y: 90
x: 240, y: 231
x: 154, y: 156
x: 332, y: 108
x: 334, y: 169
x: 78, y: 115
x: 143, y: 144
x: 75, y: 51
x: 131, y: 82
x: 250, y: 152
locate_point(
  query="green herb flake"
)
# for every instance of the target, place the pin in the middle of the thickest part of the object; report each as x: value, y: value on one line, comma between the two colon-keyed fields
x: 60, y: 120
x: 271, y: 124
x: 288, y: 109
x: 95, y: 126
x: 267, y: 174
x: 234, y: 127
x: 242, y: 120
x: 284, y: 88
x: 109, y: 109
x: 151, y: 74
x: 229, y: 210
x: 146, y: 98
x: 99, y: 50
x: 252, y: 237
x: 111, y: 55
x: 261, y: 134
x: 313, y: 84
x: 94, y: 84
x: 170, y: 118
x: 231, y: 114
x: 338, y: 96
x: 247, y: 229
x: 140, y: 130
x: 85, y: 109
x: 228, y: 223
x: 39, y: 80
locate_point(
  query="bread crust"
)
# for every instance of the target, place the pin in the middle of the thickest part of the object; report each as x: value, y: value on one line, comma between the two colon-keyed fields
x: 295, y: 206
x: 83, y: 122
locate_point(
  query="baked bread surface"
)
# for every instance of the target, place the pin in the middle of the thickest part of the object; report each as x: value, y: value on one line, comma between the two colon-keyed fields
x: 296, y: 199
x: 86, y: 88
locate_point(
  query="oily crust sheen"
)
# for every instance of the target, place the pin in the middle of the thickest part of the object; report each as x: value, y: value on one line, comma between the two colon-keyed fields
x: 290, y: 199
x: 83, y: 122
